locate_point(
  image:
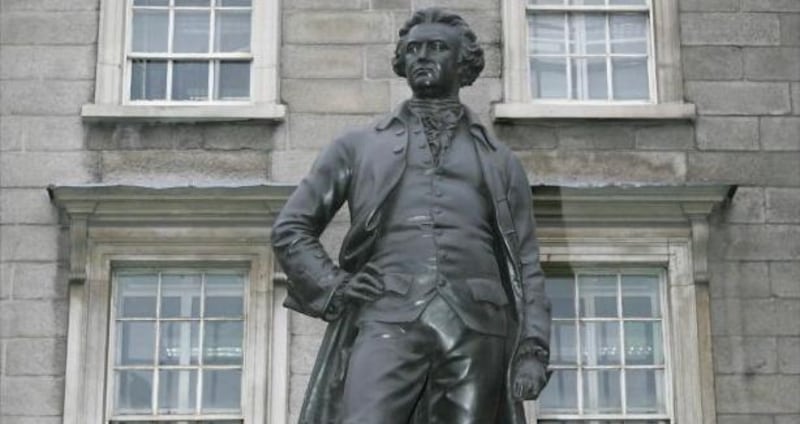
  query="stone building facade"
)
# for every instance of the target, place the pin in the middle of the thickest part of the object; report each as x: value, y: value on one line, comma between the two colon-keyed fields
x: 738, y: 64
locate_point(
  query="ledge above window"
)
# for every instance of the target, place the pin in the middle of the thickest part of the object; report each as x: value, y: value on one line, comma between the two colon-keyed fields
x: 534, y: 111
x: 151, y: 113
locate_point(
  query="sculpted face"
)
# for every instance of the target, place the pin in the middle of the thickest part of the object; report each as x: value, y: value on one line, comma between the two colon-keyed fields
x: 432, y: 54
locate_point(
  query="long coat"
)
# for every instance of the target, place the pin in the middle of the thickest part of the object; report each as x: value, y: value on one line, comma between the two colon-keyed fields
x: 362, y: 167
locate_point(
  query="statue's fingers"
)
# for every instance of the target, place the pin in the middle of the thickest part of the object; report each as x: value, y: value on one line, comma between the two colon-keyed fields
x: 366, y: 288
x: 372, y: 281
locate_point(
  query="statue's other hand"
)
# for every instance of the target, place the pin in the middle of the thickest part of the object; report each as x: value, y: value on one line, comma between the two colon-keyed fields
x: 529, y: 378
x: 365, y: 286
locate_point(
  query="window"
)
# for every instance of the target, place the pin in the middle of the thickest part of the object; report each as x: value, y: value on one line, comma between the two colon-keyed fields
x: 607, y: 346
x: 592, y: 59
x: 187, y: 60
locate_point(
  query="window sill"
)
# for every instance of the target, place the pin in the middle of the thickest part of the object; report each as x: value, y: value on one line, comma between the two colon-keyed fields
x: 536, y: 111
x: 147, y: 113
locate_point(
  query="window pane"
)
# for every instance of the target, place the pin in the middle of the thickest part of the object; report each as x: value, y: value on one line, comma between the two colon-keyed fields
x: 630, y: 78
x: 192, y: 3
x: 587, y: 2
x: 137, y: 296
x: 561, y: 292
x: 645, y: 391
x: 601, y: 343
x: 222, y: 390
x: 151, y: 2
x: 135, y: 342
x: 547, y: 33
x: 598, y: 295
x: 177, y: 391
x: 549, y: 78
x: 233, y: 80
x: 640, y: 296
x: 223, y: 343
x: 643, y: 344
x: 191, y: 31
x: 190, y: 81
x: 601, y: 392
x: 545, y: 2
x: 150, y: 30
x: 587, y: 33
x: 180, y: 343
x: 224, y: 295
x: 134, y: 391
x: 561, y: 393
x: 563, y: 344
x: 628, y: 2
x: 234, y: 3
x: 232, y: 31
x: 148, y: 80
x: 629, y: 33
x: 180, y: 294
x: 589, y: 79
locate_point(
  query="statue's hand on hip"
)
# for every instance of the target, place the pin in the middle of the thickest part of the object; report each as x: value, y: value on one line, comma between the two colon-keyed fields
x: 365, y: 286
x: 529, y: 378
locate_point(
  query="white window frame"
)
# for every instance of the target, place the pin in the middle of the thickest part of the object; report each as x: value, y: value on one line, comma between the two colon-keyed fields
x: 112, y: 76
x: 666, y: 80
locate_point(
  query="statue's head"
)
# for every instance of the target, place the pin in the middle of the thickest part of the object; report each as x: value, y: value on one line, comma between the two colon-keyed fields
x: 437, y: 53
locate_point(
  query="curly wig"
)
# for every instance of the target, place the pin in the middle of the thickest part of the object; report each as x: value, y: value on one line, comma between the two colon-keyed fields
x: 471, y: 61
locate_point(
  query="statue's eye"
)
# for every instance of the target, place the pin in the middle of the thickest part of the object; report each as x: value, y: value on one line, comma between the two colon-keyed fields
x: 412, y: 48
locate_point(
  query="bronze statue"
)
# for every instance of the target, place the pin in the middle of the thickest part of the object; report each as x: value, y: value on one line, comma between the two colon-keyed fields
x: 437, y: 308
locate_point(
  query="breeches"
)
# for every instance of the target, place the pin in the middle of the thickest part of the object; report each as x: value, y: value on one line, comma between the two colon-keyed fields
x: 454, y: 375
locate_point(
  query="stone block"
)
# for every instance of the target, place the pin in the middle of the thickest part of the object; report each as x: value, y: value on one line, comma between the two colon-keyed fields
x: 727, y: 316
x: 712, y: 63
x: 745, y: 355
x: 297, y: 390
x: 138, y: 136
x: 789, y: 355
x: 42, y: 133
x: 318, y: 27
x: 39, y: 281
x: 325, y: 4
x: 486, y: 23
x: 762, y: 242
x: 772, y: 63
x: 709, y: 5
x: 38, y: 169
x: 306, y: 61
x: 592, y: 136
x: 29, y: 243
x: 576, y: 167
x: 457, y: 5
x: 36, y: 357
x: 32, y: 395
x: 33, y: 318
x: 745, y: 168
x: 740, y: 280
x: 770, y: 6
x: 480, y: 96
x: 315, y: 131
x: 785, y: 278
x: 733, y: 29
x: 48, y: 27
x: 788, y: 315
x: 48, y: 62
x: 787, y: 419
x: 6, y: 283
x: 29, y: 97
x: 783, y: 205
x: 27, y: 206
x: 739, y: 98
x: 727, y: 133
x: 302, y: 353
x: 303, y: 325
x: 744, y: 419
x: 291, y: 166
x: 796, y: 96
x: 398, y: 92
x: 780, y: 133
x: 191, y: 167
x: 17, y: 419
x: 758, y: 394
x: 336, y: 96
x: 390, y: 4
x: 47, y: 5
x: 525, y: 136
x: 790, y: 29
x: 333, y: 236
x: 238, y: 136
x: 747, y: 207
x: 493, y: 58
x: 672, y: 136
x: 379, y: 61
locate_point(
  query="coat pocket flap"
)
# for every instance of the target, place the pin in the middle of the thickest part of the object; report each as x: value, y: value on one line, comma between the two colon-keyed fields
x: 487, y: 290
x: 396, y: 283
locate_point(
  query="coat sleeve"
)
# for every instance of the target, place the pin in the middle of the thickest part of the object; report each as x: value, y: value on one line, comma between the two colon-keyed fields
x: 536, y: 322
x: 313, y: 276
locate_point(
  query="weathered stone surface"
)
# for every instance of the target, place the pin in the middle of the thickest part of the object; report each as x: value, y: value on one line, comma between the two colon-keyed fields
x: 672, y: 136
x: 307, y: 61
x: 28, y: 97
x: 37, y: 170
x: 480, y: 96
x: 17, y: 419
x: 139, y: 136
x: 456, y: 5
x: 758, y: 394
x: 31, y: 395
x: 738, y: 29
x: 739, y: 98
x: 304, y: 351
x: 780, y: 133
x: 27, y: 206
x: 745, y: 355
x: 754, y: 317
x: 41, y: 133
x: 596, y: 136
x: 745, y: 168
x: 47, y: 5
x: 39, y: 281
x: 787, y: 419
x: 236, y: 136
x: 379, y: 61
x: 785, y: 279
x: 600, y: 168
x: 770, y: 6
x: 712, y: 63
x: 341, y: 96
x: 726, y: 316
x: 527, y: 137
x: 303, y: 325
x: 727, y: 133
x: 325, y: 4
x: 790, y: 29
x: 485, y: 23
x: 33, y: 318
x: 744, y: 419
x: 772, y: 63
x: 36, y: 357
x: 193, y: 167
x: 297, y: 390
x: 316, y: 27
x: 48, y: 62
x: 29, y: 242
x: 48, y: 27
x: 315, y: 131
x: 796, y: 96
x: 783, y: 205
x: 747, y: 207
x: 709, y: 5
x: 740, y: 280
x: 6, y: 280
x: 390, y: 4
x: 763, y: 242
x: 789, y: 355
x: 291, y: 166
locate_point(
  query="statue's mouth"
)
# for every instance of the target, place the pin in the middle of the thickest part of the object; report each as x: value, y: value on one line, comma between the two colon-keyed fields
x: 423, y: 72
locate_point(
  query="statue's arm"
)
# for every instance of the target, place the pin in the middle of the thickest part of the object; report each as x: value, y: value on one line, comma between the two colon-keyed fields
x: 313, y: 276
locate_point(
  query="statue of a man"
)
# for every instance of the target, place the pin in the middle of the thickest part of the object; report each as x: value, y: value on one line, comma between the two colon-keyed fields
x: 437, y: 308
